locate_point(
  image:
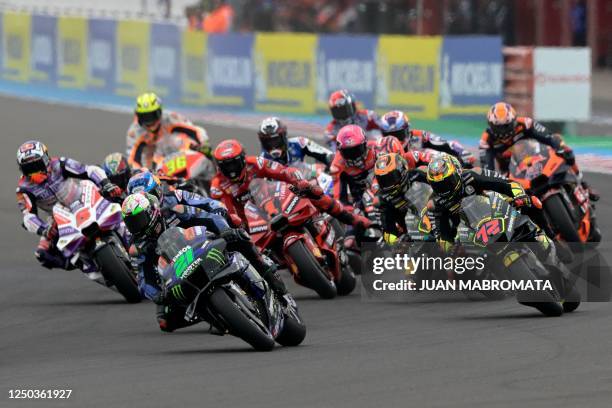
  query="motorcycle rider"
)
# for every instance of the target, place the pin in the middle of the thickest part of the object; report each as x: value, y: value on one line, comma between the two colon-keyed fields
x: 451, y: 183
x: 505, y: 129
x: 343, y: 108
x: 170, y: 196
x: 236, y: 171
x: 396, y: 123
x: 147, y: 219
x: 151, y: 124
x: 355, y: 157
x: 117, y: 169
x: 277, y: 147
x: 394, y: 177
x: 42, y: 178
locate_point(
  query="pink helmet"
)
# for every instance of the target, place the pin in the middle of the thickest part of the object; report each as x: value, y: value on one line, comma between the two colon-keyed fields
x: 352, y: 145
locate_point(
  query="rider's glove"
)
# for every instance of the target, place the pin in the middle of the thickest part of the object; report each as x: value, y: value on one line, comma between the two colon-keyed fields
x: 519, y: 197
x: 567, y: 153
x: 467, y: 159
x: 304, y: 188
x: 206, y: 150
x: 110, y: 190
x: 235, y: 235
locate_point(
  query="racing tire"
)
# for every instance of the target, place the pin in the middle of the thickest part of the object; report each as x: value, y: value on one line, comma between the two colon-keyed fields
x: 238, y: 323
x: 572, y: 299
x: 347, y: 282
x: 293, y: 333
x: 545, y: 301
x: 118, y: 273
x: 560, y: 218
x: 312, y: 275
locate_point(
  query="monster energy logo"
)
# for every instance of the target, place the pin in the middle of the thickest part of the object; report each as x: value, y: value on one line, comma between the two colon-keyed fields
x: 177, y: 292
x: 216, y: 255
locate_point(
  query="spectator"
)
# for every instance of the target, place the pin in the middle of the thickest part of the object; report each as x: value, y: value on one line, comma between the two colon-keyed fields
x: 220, y: 18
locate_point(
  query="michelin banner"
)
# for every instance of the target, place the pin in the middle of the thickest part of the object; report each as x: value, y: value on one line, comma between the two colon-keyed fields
x: 427, y: 77
x: 471, y: 74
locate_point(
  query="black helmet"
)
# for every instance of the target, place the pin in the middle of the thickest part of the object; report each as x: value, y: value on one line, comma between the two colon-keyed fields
x: 273, y: 137
x: 444, y: 175
x: 142, y: 215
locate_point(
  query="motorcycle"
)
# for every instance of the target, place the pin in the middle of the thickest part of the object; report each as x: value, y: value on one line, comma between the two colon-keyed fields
x: 222, y: 288
x: 418, y: 224
x: 491, y: 225
x: 92, y: 235
x: 292, y: 231
x: 565, y: 201
x: 175, y: 158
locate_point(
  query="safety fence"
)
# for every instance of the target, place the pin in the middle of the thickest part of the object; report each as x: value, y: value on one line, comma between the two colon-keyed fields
x: 428, y: 77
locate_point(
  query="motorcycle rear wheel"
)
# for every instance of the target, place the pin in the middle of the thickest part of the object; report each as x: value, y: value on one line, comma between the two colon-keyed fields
x: 311, y: 273
x: 117, y: 272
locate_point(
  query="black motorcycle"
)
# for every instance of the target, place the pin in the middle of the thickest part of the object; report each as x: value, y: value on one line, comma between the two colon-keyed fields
x: 222, y: 288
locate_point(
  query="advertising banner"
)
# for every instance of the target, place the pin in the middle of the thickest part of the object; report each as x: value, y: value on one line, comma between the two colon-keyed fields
x: 101, y: 56
x: 562, y: 83
x: 16, y: 38
x: 132, y: 57
x: 230, y: 76
x: 165, y: 71
x: 43, y: 58
x: 193, y: 74
x: 285, y: 72
x: 471, y: 74
x: 407, y: 75
x: 352, y: 67
x: 72, y: 52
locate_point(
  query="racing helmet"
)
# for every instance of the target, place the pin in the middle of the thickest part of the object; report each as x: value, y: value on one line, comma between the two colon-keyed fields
x: 230, y: 158
x: 148, y: 111
x: 33, y: 161
x: 142, y: 216
x: 501, y: 119
x: 145, y: 182
x: 342, y: 105
x: 273, y: 137
x: 117, y: 169
x: 392, y: 174
x: 444, y: 175
x: 353, y: 145
x: 396, y: 123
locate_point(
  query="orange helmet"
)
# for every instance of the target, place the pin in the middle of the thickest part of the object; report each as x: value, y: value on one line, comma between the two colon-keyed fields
x: 391, y: 172
x: 230, y: 159
x: 501, y: 119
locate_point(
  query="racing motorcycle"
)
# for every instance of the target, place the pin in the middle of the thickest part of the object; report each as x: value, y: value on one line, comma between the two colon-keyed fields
x: 491, y: 225
x: 222, y: 288
x: 92, y: 235
x: 418, y: 224
x: 565, y: 201
x: 175, y: 158
x: 292, y: 231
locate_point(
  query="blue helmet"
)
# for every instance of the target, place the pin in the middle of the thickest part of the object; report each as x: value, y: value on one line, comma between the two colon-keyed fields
x: 145, y: 182
x: 395, y: 123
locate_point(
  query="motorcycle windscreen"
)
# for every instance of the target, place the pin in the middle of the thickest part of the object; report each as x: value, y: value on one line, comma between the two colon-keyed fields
x: 70, y: 192
x: 475, y: 209
x: 526, y: 153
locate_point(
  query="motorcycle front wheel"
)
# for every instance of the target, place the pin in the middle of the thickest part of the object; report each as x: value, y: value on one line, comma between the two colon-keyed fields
x: 311, y: 273
x: 118, y: 273
x: 238, y: 323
